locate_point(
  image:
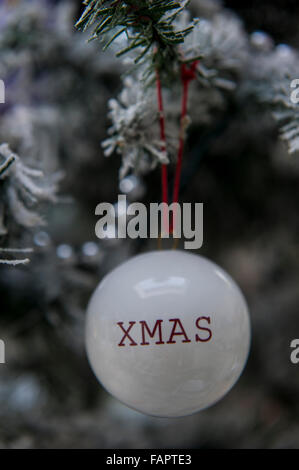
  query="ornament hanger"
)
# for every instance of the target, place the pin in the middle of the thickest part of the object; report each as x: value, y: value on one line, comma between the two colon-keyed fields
x: 188, y: 74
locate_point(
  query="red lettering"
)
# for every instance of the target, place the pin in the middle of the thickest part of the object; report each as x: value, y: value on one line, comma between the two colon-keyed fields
x: 144, y: 326
x: 126, y: 335
x: 197, y: 337
x: 178, y: 322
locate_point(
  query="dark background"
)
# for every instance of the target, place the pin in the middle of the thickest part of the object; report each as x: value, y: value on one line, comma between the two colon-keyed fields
x: 49, y: 397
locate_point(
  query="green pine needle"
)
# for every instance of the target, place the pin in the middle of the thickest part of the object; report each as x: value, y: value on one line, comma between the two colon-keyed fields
x: 148, y: 25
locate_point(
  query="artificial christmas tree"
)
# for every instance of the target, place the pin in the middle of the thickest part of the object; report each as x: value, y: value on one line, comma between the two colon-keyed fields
x: 54, y: 118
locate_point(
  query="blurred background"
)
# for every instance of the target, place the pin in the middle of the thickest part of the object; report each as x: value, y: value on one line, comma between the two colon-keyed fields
x: 55, y: 117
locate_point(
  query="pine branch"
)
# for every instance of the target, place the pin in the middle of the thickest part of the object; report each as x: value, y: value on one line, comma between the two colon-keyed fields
x: 148, y: 24
x: 15, y: 262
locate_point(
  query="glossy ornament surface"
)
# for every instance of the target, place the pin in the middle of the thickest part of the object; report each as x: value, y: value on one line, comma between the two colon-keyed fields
x: 168, y: 333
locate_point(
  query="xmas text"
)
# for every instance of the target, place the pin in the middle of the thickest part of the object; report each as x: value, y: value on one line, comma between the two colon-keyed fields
x: 142, y: 330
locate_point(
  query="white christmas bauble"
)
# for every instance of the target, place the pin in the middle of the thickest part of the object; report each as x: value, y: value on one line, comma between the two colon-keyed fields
x: 168, y: 333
